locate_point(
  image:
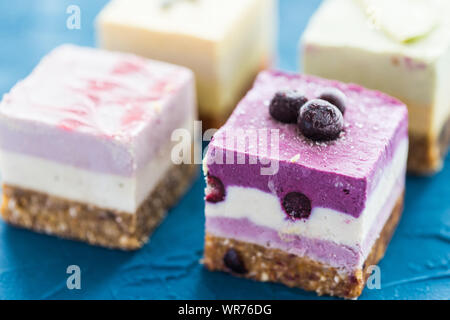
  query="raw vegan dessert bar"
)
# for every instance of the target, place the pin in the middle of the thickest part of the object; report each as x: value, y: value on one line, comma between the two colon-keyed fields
x: 327, y: 207
x: 399, y: 47
x: 225, y: 42
x: 85, y: 146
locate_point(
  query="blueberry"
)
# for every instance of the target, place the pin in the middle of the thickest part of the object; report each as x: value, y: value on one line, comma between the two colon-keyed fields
x: 286, y: 104
x: 215, y: 190
x: 336, y: 97
x: 233, y: 261
x: 319, y: 120
x: 297, y: 206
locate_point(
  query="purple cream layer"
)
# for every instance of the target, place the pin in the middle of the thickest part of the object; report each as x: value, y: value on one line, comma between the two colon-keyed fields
x: 339, y: 175
x: 346, y: 257
x: 96, y: 110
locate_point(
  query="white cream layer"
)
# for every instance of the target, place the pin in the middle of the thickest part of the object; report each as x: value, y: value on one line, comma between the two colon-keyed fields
x: 71, y: 183
x: 264, y: 209
x: 106, y: 191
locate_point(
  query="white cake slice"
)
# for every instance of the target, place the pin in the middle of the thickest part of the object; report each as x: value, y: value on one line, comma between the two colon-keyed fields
x: 225, y: 42
x: 399, y: 47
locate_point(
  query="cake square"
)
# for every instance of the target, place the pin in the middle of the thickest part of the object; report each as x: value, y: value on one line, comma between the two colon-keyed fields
x: 85, y: 148
x: 225, y: 42
x: 326, y: 210
x: 376, y: 44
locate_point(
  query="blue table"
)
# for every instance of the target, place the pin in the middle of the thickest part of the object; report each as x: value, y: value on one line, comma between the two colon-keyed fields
x: 33, y: 266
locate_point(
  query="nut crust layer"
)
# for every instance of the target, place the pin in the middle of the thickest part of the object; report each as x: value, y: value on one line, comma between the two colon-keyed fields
x: 97, y: 226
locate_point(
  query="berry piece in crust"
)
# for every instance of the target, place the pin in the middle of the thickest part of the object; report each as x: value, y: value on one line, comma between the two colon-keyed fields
x: 233, y: 261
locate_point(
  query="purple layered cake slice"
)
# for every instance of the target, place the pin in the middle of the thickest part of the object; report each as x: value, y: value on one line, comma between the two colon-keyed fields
x: 305, y: 183
x: 85, y: 145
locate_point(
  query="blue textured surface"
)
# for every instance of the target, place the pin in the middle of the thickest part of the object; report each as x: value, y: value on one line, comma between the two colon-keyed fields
x: 33, y: 266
